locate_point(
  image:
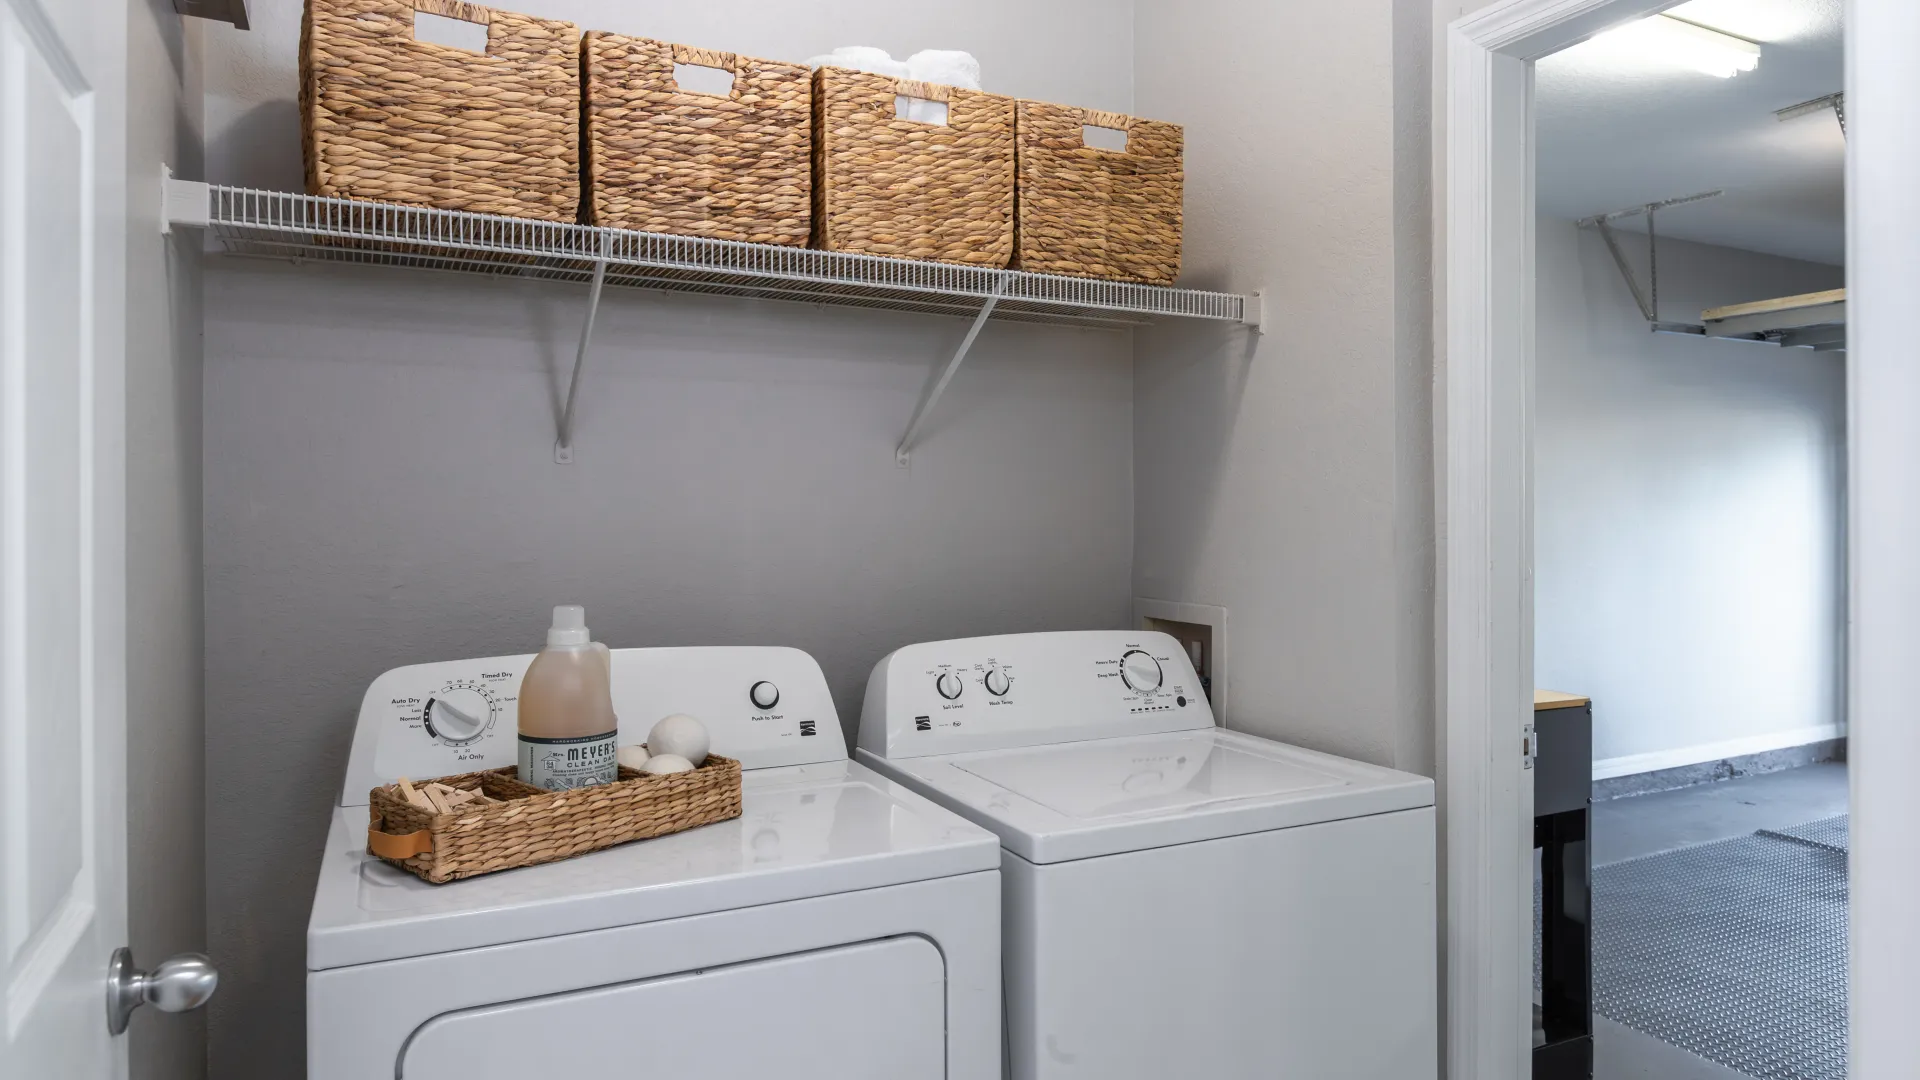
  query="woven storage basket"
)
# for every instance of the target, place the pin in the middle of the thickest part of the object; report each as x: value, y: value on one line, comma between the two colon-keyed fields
x: 389, y: 118
x: 888, y: 186
x: 1090, y: 212
x: 662, y: 159
x: 531, y: 826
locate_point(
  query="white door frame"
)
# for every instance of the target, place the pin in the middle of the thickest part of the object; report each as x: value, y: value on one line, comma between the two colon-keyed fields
x: 1883, y: 531
x: 1486, y: 642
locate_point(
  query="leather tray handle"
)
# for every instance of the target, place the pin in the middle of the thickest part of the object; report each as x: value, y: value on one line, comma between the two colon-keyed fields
x: 390, y: 846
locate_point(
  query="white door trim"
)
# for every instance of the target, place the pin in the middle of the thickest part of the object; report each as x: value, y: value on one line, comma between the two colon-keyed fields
x: 1486, y: 646
x: 1486, y: 556
x: 1883, y: 396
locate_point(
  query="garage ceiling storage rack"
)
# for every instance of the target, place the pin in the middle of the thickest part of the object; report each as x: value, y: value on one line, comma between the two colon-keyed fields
x: 285, y: 225
x: 1816, y: 321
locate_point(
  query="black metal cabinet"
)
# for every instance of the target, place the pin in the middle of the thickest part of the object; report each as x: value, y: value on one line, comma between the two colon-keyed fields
x: 1562, y: 798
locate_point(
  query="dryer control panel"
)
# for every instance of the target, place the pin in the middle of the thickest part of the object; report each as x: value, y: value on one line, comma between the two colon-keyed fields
x: 765, y: 706
x: 989, y: 693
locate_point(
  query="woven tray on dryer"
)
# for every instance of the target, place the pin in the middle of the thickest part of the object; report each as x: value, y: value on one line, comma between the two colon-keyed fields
x: 528, y: 825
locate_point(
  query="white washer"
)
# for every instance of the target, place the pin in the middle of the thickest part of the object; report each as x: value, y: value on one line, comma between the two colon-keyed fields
x: 1180, y: 900
x: 843, y: 926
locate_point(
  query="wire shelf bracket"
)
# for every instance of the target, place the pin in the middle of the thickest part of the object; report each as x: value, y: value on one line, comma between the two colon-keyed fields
x: 292, y: 226
x: 903, y: 454
x: 563, y: 448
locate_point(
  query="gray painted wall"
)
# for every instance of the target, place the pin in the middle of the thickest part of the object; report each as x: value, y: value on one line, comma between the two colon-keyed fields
x: 1688, y: 504
x: 381, y: 490
x: 1289, y: 477
x: 166, y: 821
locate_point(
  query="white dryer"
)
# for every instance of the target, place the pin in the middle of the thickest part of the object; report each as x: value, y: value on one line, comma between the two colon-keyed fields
x: 1180, y: 900
x: 843, y: 926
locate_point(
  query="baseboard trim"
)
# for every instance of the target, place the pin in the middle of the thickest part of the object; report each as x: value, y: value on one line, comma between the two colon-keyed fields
x: 1724, y: 767
x: 1631, y: 764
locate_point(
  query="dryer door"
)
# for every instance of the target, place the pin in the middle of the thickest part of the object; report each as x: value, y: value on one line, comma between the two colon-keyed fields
x: 875, y: 1009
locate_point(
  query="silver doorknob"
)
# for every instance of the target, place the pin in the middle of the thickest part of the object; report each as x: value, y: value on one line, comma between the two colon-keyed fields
x: 179, y: 984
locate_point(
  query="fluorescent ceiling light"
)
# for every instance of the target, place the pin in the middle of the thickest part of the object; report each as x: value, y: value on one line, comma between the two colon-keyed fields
x: 1679, y: 42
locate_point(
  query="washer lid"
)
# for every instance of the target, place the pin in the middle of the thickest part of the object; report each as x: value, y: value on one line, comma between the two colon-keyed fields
x: 1079, y: 800
x: 1112, y: 778
x: 805, y: 830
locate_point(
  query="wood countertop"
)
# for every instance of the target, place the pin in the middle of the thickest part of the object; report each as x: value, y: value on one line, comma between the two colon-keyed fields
x: 1554, y: 699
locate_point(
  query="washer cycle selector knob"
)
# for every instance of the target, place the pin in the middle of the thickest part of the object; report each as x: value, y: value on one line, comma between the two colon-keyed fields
x: 997, y: 684
x: 949, y: 685
x: 1139, y: 671
x: 764, y: 695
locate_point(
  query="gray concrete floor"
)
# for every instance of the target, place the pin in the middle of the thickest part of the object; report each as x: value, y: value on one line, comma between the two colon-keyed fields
x: 1648, y: 824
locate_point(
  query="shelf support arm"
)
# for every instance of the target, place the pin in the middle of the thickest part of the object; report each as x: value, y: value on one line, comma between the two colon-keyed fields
x: 903, y: 454
x: 1649, y: 301
x: 563, y: 449
x: 1626, y: 270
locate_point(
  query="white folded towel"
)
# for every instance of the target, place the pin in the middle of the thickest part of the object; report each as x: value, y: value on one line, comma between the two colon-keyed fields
x: 949, y: 67
x: 862, y: 58
x: 945, y: 67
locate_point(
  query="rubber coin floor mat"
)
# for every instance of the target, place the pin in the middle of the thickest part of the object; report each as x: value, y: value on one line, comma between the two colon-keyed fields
x: 1830, y: 833
x: 1735, y: 951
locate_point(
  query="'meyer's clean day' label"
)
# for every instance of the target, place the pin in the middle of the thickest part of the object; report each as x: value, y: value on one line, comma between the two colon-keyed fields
x: 565, y: 764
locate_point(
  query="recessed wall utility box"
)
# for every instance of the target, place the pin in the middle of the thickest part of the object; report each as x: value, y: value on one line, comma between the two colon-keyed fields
x: 226, y: 11
x: 1201, y: 629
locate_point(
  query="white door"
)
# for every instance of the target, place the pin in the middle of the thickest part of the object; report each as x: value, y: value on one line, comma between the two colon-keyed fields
x: 62, y: 476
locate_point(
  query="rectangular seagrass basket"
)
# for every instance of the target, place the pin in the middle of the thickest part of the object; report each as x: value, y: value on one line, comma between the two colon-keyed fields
x: 663, y: 159
x: 531, y: 826
x: 885, y: 185
x: 389, y: 118
x: 1090, y: 212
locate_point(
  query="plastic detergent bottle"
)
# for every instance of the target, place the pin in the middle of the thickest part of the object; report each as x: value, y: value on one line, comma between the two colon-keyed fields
x: 567, y: 726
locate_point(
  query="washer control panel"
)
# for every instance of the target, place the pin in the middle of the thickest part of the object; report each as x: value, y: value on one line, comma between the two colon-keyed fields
x: 765, y: 706
x: 945, y: 697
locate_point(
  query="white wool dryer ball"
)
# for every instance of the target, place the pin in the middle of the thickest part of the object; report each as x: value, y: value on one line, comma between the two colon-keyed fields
x: 680, y: 735
x: 662, y: 764
x: 633, y: 757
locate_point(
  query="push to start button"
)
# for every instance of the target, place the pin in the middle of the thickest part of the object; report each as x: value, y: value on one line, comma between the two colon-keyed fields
x: 764, y: 695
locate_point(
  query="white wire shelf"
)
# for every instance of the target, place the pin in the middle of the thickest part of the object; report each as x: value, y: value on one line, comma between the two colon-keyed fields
x: 284, y: 225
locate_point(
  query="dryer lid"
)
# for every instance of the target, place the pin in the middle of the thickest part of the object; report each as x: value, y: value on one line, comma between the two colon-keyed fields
x: 1106, y: 796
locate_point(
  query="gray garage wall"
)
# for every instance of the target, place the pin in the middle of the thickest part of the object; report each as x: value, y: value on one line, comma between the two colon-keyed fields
x: 380, y: 487
x: 1688, y: 504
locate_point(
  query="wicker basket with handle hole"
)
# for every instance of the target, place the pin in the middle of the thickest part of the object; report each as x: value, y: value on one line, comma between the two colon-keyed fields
x: 660, y: 158
x: 1086, y: 211
x: 393, y: 119
x: 529, y: 825
x: 885, y: 185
